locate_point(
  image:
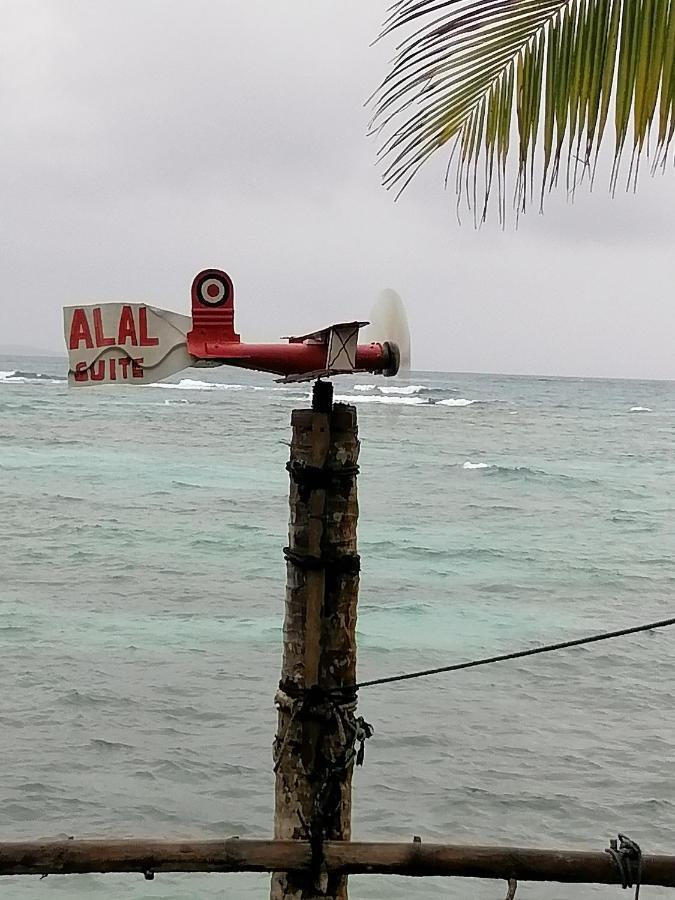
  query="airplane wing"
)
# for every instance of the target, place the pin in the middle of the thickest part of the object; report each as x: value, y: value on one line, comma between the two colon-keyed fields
x: 322, y: 336
x: 341, y: 341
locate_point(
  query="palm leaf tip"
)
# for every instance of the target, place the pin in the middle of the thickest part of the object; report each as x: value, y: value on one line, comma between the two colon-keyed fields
x: 525, y: 90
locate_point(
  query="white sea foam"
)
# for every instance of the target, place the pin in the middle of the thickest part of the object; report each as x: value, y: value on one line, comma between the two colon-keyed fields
x: 406, y: 399
x: 192, y: 384
x: 187, y: 384
x: 640, y: 409
x: 470, y: 465
x: 369, y: 398
x: 457, y: 401
x: 6, y: 376
x: 403, y: 389
x: 462, y: 401
x: 390, y: 389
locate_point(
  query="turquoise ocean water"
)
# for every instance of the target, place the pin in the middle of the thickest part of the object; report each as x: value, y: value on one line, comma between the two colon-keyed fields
x: 142, y: 585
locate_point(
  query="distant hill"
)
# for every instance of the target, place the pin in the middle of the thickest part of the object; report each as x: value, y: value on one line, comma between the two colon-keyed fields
x: 23, y: 350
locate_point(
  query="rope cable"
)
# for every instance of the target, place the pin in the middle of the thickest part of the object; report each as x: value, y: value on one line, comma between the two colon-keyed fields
x: 519, y: 654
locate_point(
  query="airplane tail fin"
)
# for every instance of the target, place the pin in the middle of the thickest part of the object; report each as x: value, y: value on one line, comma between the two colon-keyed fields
x: 212, y: 311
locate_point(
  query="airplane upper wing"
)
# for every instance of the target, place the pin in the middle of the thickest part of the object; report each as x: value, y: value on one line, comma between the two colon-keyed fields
x: 323, y: 335
x: 341, y: 342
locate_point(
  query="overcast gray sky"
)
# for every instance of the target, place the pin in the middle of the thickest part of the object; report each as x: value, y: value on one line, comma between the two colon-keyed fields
x: 143, y: 140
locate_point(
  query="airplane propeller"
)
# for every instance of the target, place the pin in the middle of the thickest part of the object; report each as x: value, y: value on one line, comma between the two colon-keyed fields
x: 389, y: 322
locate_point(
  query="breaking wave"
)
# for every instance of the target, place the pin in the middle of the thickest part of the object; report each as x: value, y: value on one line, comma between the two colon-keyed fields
x: 193, y: 384
x: 17, y: 376
x: 411, y: 395
x: 390, y: 395
x: 403, y: 389
x: 459, y: 401
x: 411, y: 399
x: 395, y: 388
x: 395, y: 400
x: 529, y: 473
x: 639, y: 409
x: 522, y: 471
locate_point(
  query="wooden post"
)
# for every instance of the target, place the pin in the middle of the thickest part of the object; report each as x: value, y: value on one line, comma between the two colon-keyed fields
x: 153, y: 857
x: 314, y: 747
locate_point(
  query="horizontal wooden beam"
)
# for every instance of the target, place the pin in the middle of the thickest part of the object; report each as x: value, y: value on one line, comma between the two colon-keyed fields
x: 349, y: 858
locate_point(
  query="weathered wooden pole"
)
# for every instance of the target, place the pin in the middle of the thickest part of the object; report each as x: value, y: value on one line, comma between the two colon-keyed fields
x: 317, y: 731
x: 154, y: 857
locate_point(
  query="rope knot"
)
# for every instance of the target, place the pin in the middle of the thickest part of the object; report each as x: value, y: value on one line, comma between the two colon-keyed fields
x: 627, y: 857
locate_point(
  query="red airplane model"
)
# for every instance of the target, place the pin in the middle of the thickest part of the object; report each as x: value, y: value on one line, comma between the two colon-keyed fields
x: 140, y: 344
x: 330, y: 351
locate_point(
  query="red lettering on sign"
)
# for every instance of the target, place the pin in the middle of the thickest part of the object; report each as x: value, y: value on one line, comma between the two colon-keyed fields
x: 79, y: 331
x: 127, y: 328
x: 109, y: 369
x: 81, y: 373
x: 98, y: 370
x: 101, y: 339
x: 146, y: 341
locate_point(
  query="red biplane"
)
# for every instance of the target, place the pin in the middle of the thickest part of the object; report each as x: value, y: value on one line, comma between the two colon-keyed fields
x: 140, y: 344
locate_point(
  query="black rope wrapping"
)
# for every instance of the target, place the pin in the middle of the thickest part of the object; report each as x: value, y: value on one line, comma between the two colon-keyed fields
x: 627, y: 857
x: 315, y: 838
x: 512, y: 888
x: 346, y: 564
x: 316, y: 695
x: 312, y: 478
x: 317, y: 702
x: 326, y: 705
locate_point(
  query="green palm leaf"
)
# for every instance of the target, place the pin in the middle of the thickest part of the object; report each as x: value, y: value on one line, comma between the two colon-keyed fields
x: 524, y: 91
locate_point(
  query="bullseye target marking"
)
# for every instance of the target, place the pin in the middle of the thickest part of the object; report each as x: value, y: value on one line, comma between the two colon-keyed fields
x: 213, y: 292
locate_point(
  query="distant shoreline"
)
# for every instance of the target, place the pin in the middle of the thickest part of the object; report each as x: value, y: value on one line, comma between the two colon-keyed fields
x: 40, y: 352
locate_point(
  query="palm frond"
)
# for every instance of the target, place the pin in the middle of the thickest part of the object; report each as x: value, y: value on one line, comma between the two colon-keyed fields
x: 525, y: 91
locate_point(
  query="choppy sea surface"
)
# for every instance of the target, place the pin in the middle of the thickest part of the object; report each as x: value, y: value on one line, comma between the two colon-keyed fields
x: 141, y: 598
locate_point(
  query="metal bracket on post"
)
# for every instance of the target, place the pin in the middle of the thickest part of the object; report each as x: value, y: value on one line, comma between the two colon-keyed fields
x: 322, y: 397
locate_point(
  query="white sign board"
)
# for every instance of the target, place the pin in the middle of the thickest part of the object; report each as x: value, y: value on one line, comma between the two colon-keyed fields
x: 124, y: 343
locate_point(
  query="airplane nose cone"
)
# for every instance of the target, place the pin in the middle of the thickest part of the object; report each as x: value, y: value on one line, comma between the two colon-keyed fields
x: 392, y: 359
